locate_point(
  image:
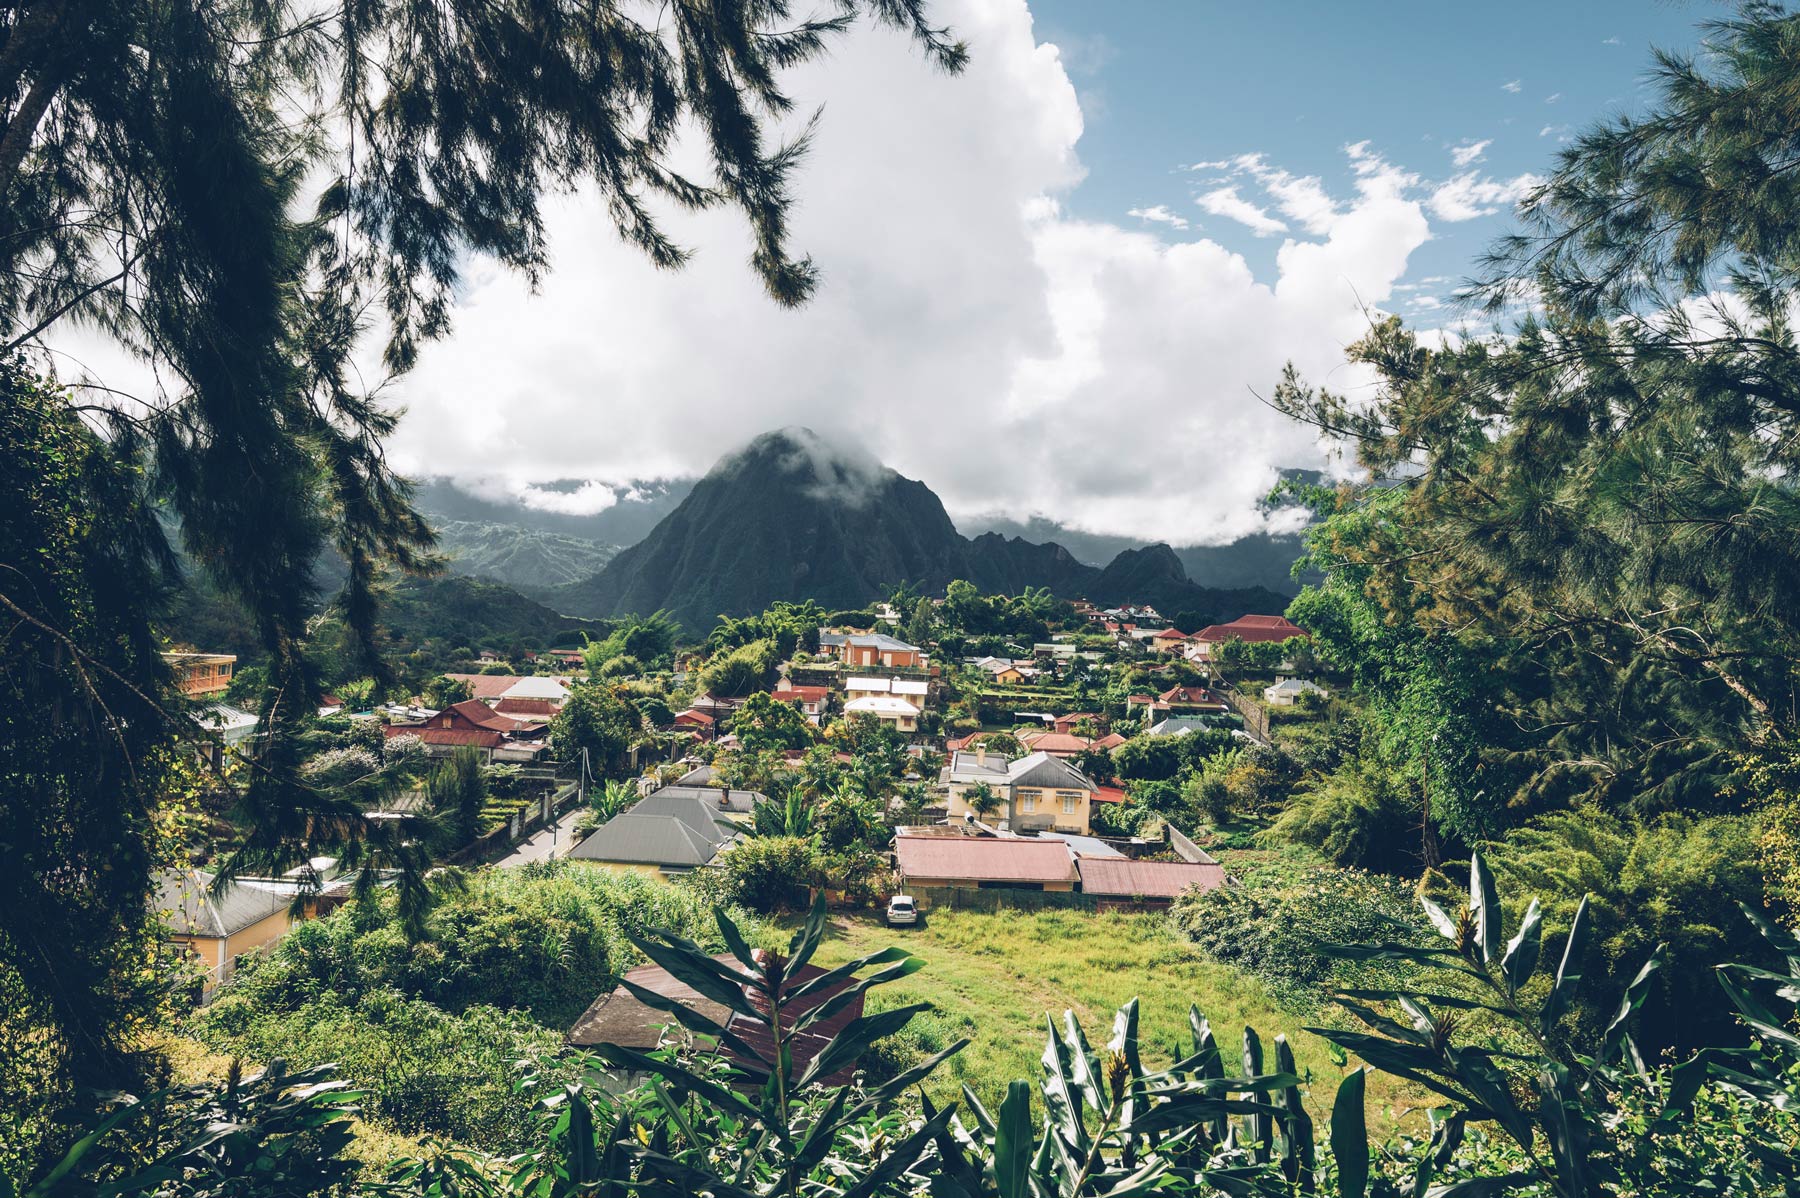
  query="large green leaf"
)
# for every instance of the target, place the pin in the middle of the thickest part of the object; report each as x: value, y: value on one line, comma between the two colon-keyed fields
x: 1568, y: 972
x: 695, y: 1021
x: 1521, y: 958
x: 1350, y: 1135
x: 1013, y: 1142
x: 854, y: 1039
x: 1484, y: 905
x: 1633, y: 998
x: 807, y: 937
x: 1261, y: 1127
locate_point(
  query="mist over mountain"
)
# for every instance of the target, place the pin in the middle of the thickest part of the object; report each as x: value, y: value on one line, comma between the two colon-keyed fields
x: 794, y: 517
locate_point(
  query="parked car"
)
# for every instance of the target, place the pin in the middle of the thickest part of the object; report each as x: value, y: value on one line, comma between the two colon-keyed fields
x: 900, y: 910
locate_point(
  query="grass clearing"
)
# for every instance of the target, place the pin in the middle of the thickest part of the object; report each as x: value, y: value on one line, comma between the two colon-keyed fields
x: 995, y: 977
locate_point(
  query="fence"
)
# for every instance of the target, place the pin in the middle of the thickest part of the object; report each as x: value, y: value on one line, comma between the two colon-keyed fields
x: 1256, y: 719
x: 960, y: 898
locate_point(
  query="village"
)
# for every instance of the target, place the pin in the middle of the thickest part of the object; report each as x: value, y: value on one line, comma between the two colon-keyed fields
x: 1014, y: 767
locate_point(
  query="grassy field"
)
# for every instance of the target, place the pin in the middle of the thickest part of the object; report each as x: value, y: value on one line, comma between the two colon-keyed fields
x: 995, y: 977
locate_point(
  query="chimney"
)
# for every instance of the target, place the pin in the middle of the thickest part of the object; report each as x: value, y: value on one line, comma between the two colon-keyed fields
x: 725, y: 797
x: 980, y: 752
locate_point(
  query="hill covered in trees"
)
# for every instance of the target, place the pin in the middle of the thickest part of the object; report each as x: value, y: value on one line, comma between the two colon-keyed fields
x: 791, y: 517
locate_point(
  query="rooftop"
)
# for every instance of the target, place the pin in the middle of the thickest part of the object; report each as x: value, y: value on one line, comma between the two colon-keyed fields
x: 1122, y: 877
x: 984, y: 859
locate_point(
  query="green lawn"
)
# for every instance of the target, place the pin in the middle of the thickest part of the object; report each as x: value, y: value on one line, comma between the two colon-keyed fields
x: 995, y: 977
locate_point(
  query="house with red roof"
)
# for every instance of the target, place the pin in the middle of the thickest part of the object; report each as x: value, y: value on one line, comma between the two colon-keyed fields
x: 473, y: 723
x: 1120, y: 882
x: 810, y: 699
x: 1168, y: 640
x: 1244, y: 628
x: 983, y: 863
x: 1192, y: 699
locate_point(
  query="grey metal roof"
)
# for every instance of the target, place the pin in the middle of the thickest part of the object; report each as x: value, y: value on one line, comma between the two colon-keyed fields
x: 965, y: 767
x: 189, y: 908
x: 832, y: 638
x: 1179, y: 725
x: 878, y: 640
x: 678, y: 826
x: 1041, y: 769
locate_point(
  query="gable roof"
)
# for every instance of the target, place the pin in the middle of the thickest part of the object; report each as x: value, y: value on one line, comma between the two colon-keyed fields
x: 481, y: 738
x: 880, y: 705
x: 984, y: 859
x: 483, y: 716
x: 1251, y: 628
x: 1191, y: 695
x: 486, y: 686
x: 1122, y: 877
x: 1170, y: 634
x: 800, y: 694
x: 521, y: 708
x: 878, y: 640
x: 191, y: 909
x: 538, y: 687
x: 1041, y: 769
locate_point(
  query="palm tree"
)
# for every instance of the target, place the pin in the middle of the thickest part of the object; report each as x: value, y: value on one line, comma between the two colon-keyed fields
x: 982, y: 800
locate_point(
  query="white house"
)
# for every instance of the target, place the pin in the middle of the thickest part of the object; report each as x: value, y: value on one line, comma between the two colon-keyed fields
x: 1287, y: 691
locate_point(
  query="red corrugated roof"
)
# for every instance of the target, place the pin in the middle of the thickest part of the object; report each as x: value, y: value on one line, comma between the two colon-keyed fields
x: 1117, y: 876
x: 1252, y: 628
x: 1170, y: 634
x: 1190, y: 695
x: 523, y: 707
x: 1109, y: 794
x: 1056, y: 743
x: 803, y: 694
x: 483, y: 716
x: 693, y: 717
x: 983, y: 859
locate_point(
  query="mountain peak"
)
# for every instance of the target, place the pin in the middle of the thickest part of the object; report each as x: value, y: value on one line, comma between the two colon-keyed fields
x: 826, y: 470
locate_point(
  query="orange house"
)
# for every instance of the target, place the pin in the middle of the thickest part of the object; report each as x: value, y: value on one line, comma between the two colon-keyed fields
x: 201, y: 674
x: 875, y: 649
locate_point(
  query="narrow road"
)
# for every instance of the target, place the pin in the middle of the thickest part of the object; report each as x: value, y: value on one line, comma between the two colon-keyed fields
x: 553, y: 841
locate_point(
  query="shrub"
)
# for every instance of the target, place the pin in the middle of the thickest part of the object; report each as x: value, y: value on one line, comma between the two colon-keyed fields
x: 772, y: 873
x: 1274, y: 931
x: 1358, y: 818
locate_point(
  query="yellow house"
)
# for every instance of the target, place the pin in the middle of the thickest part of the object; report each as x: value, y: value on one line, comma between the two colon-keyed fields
x: 201, y: 674
x: 1036, y: 792
x: 219, y: 929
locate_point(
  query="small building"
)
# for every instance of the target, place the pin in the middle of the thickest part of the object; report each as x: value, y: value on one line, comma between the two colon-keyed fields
x: 1245, y: 628
x: 219, y: 929
x: 1038, y: 791
x: 198, y: 675
x: 1003, y: 672
x: 1192, y: 700
x: 889, y: 709
x: 810, y: 700
x: 878, y: 649
x: 1144, y: 885
x: 1179, y: 725
x: 983, y: 863
x: 700, y: 723
x: 674, y: 830
x: 472, y: 723
x: 1288, y: 691
x: 1066, y: 723
x: 1168, y: 640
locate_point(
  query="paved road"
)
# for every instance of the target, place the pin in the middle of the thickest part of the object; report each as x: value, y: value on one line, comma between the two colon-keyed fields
x: 553, y: 841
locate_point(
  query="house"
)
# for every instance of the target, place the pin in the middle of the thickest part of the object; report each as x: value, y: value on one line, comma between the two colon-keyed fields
x: 491, y: 688
x: 810, y: 699
x: 871, y: 649
x: 1002, y: 672
x: 621, y: 1017
x: 925, y: 863
x: 1066, y: 744
x: 1168, y: 640
x: 1245, y: 628
x: 474, y: 724
x: 1066, y: 723
x: 700, y: 723
x: 889, y: 709
x: 675, y: 830
x: 1038, y: 791
x: 1179, y: 725
x: 219, y: 929
x: 527, y: 710
x: 913, y: 690
x: 201, y: 674
x: 1288, y: 691
x: 1193, y: 699
x: 1143, y: 885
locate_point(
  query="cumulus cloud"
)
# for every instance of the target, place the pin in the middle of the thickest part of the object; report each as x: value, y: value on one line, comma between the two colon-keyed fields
x: 1470, y: 152
x: 969, y: 331
x: 1160, y: 214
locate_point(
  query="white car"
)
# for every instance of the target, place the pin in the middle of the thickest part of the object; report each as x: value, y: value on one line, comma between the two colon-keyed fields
x: 900, y: 910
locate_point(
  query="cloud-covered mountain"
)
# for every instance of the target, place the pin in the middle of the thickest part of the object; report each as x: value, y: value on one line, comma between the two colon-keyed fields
x: 792, y: 516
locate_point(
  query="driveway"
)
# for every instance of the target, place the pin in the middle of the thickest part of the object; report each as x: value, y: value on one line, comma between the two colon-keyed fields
x: 553, y: 841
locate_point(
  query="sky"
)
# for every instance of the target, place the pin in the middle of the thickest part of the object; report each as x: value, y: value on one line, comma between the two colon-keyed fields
x: 1056, y: 284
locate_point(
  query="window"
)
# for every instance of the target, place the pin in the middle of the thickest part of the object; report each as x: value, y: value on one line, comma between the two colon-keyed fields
x: 1068, y: 797
x: 1030, y: 803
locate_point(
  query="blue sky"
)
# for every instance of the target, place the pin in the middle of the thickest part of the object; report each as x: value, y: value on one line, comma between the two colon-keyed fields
x: 1166, y: 83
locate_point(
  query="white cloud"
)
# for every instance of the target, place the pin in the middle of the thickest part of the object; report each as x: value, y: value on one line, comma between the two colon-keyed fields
x: 1468, y: 195
x: 1612, y: 41
x: 1513, y: 86
x: 968, y: 331
x: 1470, y: 152
x: 1160, y: 214
x: 1553, y: 97
x: 1226, y: 202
